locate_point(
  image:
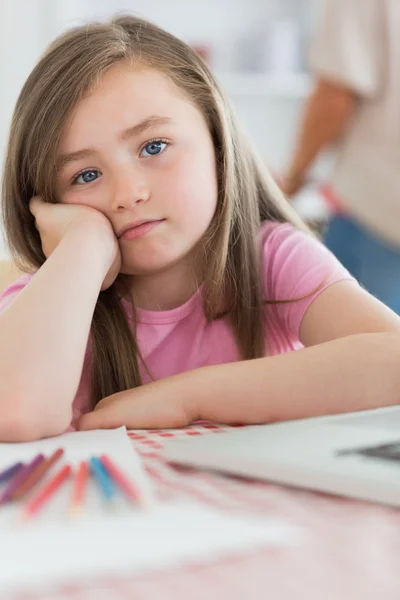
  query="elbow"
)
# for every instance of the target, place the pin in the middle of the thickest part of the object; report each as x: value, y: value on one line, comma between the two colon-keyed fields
x: 20, y: 423
x: 337, y: 104
x: 17, y: 430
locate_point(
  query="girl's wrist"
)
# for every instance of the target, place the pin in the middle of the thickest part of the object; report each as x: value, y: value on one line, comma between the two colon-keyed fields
x: 97, y: 237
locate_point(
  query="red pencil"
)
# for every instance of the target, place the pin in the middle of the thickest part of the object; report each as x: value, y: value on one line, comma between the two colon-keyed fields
x: 32, y: 507
x: 80, y: 485
x: 121, y: 480
x: 36, y: 475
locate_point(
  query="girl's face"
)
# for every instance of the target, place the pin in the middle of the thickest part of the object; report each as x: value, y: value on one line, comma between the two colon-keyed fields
x: 139, y: 151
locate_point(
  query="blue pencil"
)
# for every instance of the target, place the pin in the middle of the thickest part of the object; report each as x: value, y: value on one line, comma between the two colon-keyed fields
x: 10, y: 471
x: 104, y: 481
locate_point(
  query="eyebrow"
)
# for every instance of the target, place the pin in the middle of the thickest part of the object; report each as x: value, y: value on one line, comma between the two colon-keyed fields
x: 135, y: 130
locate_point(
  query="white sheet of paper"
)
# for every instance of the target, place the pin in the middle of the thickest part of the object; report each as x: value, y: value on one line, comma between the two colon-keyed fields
x: 162, y: 536
x: 78, y: 445
x: 55, y: 547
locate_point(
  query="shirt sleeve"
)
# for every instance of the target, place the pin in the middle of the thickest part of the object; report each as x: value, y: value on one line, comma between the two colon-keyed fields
x: 348, y: 44
x: 297, y: 268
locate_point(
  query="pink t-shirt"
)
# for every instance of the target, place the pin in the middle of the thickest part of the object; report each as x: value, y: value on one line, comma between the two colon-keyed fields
x: 177, y: 340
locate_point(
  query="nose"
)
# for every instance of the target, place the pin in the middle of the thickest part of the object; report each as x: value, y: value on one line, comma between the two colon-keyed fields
x: 128, y: 190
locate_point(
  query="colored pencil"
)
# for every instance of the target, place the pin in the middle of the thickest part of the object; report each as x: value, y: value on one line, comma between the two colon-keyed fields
x: 121, y: 479
x: 20, y: 477
x: 10, y: 471
x: 80, y: 484
x: 34, y: 505
x: 106, y: 484
x: 36, y: 475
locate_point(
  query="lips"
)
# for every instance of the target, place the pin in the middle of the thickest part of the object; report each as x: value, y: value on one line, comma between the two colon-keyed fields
x: 138, y: 228
x: 133, y: 225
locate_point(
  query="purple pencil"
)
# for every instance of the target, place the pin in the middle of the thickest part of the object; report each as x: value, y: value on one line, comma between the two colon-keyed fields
x: 10, y: 471
x: 20, y: 477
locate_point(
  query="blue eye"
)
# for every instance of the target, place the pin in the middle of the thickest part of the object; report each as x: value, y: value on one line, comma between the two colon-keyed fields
x: 86, y: 177
x: 153, y: 148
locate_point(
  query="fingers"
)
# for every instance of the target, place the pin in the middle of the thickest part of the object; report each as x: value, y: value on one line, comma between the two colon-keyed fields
x: 35, y: 204
x: 104, y: 418
x: 105, y: 402
x: 97, y: 420
x: 134, y: 415
x: 109, y: 415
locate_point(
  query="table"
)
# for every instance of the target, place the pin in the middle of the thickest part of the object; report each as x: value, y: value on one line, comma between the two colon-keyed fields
x: 349, y: 550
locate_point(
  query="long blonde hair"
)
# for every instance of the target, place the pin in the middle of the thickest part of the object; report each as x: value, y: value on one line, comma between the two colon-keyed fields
x: 247, y: 195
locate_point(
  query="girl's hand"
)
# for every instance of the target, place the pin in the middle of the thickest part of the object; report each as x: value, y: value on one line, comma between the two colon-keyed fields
x: 54, y: 221
x: 155, y: 405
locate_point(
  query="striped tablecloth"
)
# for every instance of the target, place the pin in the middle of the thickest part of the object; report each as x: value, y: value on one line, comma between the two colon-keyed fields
x: 349, y: 550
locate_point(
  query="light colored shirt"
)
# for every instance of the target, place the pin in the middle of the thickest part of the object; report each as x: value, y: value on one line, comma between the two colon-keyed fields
x: 295, y: 265
x: 357, y: 44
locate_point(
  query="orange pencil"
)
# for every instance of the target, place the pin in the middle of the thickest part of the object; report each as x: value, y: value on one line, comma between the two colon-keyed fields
x: 36, y: 475
x: 80, y: 485
x: 121, y: 480
x: 32, y: 507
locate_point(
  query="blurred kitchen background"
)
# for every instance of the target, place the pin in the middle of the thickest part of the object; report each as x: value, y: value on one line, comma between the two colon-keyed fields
x: 257, y: 48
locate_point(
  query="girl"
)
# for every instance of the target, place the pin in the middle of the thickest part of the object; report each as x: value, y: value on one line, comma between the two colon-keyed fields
x: 164, y: 255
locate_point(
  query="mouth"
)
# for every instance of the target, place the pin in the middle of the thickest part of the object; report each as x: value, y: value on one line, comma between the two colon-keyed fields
x: 139, y: 229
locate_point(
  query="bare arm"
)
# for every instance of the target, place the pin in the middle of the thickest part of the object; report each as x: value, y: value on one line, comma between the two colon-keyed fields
x: 44, y: 333
x: 348, y: 374
x: 325, y: 117
x: 351, y: 363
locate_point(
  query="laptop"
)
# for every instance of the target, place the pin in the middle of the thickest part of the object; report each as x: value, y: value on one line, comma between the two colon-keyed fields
x: 354, y: 454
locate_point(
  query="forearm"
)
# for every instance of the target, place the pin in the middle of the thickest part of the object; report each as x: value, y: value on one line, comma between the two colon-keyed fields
x: 324, y: 119
x: 348, y: 374
x: 44, y: 333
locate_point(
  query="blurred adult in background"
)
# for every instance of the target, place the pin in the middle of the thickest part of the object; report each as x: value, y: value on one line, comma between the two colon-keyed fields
x: 355, y: 56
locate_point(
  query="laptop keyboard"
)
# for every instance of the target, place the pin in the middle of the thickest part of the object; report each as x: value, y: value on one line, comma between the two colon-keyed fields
x: 383, y: 451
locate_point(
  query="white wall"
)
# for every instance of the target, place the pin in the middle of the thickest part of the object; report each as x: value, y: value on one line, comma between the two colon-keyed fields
x: 26, y: 27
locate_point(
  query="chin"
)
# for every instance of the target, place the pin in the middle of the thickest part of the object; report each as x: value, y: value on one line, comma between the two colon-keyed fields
x: 145, y: 267
x: 155, y: 260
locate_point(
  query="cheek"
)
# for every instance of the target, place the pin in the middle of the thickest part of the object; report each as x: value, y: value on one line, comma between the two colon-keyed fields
x: 90, y: 198
x: 192, y: 189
